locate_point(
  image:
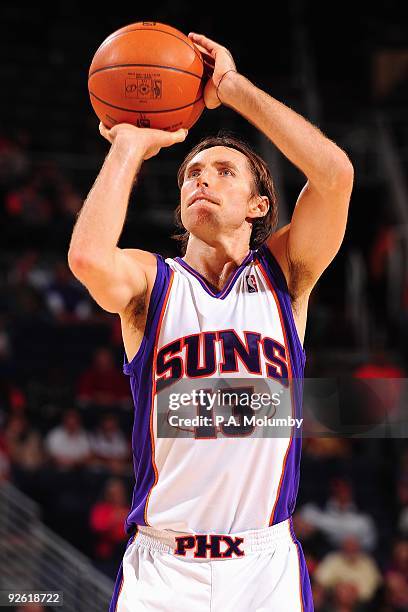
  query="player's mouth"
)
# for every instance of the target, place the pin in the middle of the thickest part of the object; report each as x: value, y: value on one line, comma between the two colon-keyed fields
x: 200, y: 197
x: 201, y: 200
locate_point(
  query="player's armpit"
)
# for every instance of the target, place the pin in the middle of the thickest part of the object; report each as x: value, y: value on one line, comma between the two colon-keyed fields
x: 117, y: 281
x: 278, y: 245
x: 306, y: 246
x: 317, y: 227
x: 297, y: 275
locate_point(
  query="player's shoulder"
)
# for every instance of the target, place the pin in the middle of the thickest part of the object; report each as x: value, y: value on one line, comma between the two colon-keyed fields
x: 144, y: 258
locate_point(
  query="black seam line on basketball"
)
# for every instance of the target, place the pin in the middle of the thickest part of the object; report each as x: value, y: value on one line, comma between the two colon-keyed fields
x: 149, y: 30
x: 147, y: 66
x: 143, y: 111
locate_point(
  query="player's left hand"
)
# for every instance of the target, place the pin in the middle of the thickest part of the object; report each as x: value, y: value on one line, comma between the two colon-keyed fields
x: 218, y: 60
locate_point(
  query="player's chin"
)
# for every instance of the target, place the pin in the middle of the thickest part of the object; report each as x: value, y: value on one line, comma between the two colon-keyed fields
x: 200, y: 213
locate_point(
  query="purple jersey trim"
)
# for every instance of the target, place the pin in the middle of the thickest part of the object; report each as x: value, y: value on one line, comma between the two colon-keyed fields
x: 119, y: 581
x: 156, y: 299
x: 278, y: 279
x: 206, y: 285
x: 140, y: 372
x: 285, y: 503
x: 304, y: 579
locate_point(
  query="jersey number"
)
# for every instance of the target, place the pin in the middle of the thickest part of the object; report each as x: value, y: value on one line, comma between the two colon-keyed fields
x: 237, y: 426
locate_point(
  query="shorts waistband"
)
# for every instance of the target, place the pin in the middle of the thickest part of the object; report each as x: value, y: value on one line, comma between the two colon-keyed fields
x: 202, y: 546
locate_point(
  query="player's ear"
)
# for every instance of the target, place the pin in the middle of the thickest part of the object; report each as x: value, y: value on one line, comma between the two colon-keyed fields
x: 258, y: 206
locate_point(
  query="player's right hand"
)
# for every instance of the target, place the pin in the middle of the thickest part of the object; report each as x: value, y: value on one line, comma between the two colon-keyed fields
x: 148, y: 140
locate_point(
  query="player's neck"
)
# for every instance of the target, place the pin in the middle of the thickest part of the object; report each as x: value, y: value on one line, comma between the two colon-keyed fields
x: 215, y: 263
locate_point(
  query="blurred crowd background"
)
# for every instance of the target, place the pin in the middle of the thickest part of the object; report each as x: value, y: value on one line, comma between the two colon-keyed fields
x: 66, y: 413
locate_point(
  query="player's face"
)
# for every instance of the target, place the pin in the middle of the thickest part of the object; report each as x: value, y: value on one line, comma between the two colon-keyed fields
x: 216, y: 193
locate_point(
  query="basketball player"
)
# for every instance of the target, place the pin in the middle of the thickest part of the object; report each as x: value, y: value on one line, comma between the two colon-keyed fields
x: 210, y: 523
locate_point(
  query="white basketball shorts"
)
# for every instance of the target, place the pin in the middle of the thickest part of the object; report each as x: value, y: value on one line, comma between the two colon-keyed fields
x: 254, y: 571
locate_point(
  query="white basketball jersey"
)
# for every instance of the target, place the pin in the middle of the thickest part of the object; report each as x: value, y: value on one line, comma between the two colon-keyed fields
x: 211, y: 480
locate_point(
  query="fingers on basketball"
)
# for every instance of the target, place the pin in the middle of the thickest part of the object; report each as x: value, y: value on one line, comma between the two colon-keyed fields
x: 207, y: 43
x: 179, y: 135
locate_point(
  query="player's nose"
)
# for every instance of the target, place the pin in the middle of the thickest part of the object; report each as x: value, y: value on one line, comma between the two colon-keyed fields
x: 203, y: 178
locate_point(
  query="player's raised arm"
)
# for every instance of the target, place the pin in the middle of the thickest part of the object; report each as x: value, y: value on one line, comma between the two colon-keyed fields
x: 306, y: 246
x: 114, y: 276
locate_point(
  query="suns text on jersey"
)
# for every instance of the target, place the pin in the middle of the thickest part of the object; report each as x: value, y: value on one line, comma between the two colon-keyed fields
x: 195, y: 356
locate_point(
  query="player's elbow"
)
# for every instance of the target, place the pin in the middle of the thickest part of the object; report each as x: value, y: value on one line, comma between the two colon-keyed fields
x: 343, y: 173
x: 79, y: 263
x: 74, y: 260
x: 75, y: 263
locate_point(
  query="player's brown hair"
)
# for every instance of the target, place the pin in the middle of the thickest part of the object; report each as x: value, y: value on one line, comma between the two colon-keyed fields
x: 262, y: 227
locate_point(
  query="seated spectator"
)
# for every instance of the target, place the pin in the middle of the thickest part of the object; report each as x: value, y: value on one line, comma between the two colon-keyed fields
x: 24, y: 444
x: 396, y: 578
x: 107, y: 519
x: 12, y: 397
x: 341, y: 518
x: 109, y: 446
x: 68, y: 444
x: 30, y: 269
x: 29, y: 205
x: 344, y: 598
x: 66, y: 298
x: 102, y: 383
x: 350, y: 566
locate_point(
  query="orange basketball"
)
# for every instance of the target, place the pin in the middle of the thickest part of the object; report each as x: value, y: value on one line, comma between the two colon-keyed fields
x: 147, y: 74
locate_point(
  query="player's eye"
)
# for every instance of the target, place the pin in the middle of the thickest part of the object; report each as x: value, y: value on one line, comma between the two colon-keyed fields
x: 193, y: 173
x: 223, y: 170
